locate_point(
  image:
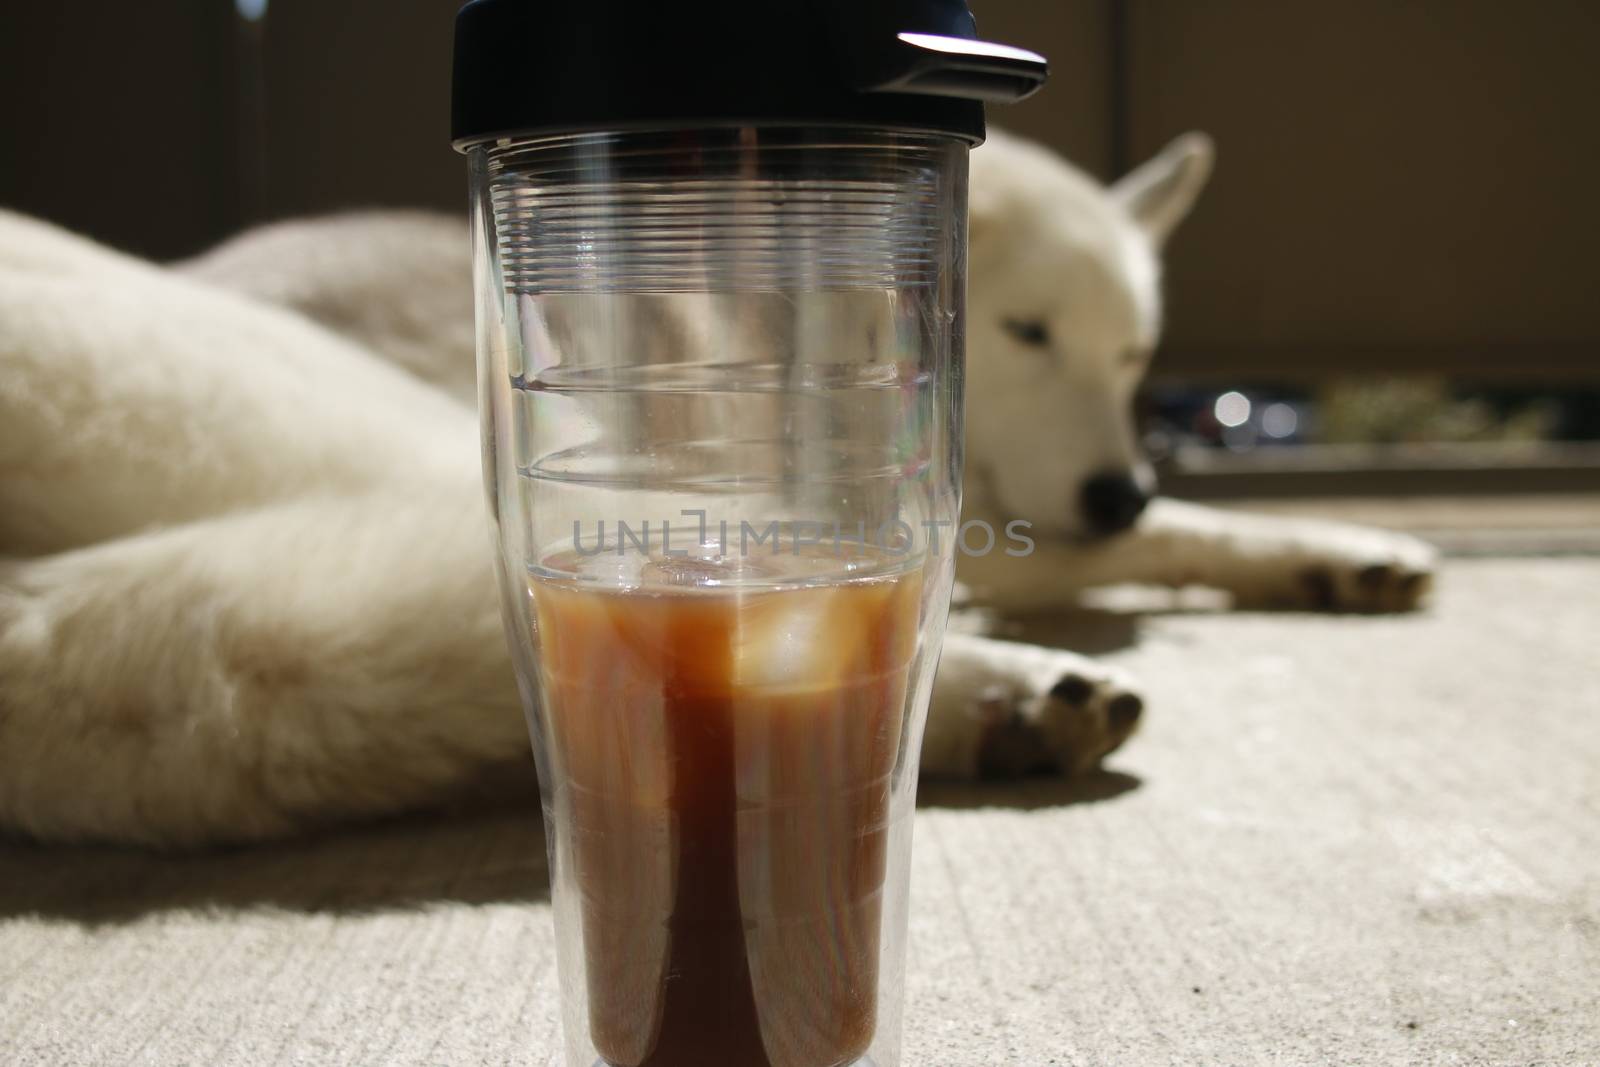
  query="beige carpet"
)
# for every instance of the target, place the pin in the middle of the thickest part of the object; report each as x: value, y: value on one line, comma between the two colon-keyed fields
x: 1338, y: 841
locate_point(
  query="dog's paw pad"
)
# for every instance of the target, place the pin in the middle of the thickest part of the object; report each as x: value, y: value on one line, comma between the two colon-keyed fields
x: 1073, y: 689
x: 1321, y: 590
x: 1124, y: 710
x: 1394, y: 583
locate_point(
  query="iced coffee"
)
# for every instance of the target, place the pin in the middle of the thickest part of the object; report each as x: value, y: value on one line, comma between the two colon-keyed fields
x: 724, y: 750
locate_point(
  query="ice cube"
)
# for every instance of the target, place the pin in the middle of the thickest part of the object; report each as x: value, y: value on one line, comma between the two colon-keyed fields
x: 804, y: 638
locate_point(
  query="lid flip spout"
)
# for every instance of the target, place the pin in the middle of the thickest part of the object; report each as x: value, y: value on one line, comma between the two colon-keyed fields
x: 533, y: 67
x: 955, y: 66
x: 928, y: 47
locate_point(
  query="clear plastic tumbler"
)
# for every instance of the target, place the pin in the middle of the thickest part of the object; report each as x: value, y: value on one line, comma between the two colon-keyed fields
x: 720, y: 367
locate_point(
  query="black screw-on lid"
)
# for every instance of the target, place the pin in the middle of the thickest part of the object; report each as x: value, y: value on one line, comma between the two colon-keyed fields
x: 527, y: 67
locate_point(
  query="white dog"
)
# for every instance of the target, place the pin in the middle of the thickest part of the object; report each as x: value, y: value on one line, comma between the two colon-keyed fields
x: 244, y: 580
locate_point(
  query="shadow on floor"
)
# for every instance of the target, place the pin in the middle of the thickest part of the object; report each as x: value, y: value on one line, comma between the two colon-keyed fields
x: 1028, y: 794
x: 482, y: 856
x: 1090, y: 631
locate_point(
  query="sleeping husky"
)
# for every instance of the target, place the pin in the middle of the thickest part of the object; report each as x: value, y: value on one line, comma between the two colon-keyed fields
x: 244, y: 583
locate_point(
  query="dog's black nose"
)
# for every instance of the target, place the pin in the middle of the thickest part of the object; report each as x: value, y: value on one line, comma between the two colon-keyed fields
x: 1111, y: 501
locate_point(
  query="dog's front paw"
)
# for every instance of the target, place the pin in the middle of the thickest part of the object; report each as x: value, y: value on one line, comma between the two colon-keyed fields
x: 1349, y: 569
x: 1066, y: 730
x: 1006, y: 710
x: 1086, y: 718
x: 1368, y: 587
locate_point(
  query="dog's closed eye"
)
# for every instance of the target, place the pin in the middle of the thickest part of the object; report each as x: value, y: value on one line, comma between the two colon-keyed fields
x: 1030, y: 332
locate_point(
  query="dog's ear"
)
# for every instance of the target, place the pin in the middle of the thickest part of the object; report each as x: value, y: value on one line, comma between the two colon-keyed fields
x: 1160, y: 193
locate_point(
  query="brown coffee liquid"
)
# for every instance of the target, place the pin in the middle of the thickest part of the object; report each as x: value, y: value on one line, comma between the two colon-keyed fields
x: 723, y: 760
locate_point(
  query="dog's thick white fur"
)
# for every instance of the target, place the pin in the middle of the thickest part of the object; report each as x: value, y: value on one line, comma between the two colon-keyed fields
x: 244, y: 577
